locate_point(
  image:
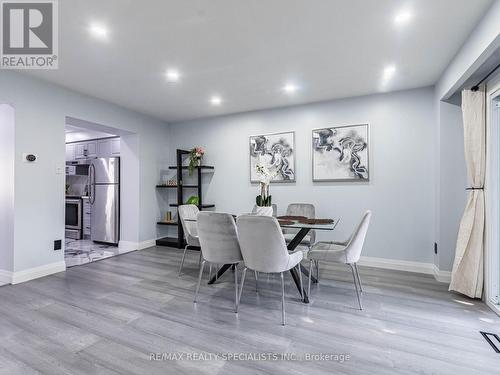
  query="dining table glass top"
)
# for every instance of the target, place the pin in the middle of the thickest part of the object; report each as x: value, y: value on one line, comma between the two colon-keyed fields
x: 320, y: 226
x: 296, y: 224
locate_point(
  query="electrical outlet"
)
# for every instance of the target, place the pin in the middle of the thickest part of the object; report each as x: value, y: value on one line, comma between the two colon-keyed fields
x: 435, y: 248
x: 57, y: 245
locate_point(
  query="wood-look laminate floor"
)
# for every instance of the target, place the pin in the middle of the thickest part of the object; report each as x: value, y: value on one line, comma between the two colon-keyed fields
x: 108, y: 317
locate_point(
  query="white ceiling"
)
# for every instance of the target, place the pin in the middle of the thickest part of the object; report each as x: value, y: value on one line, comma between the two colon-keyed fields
x: 245, y: 51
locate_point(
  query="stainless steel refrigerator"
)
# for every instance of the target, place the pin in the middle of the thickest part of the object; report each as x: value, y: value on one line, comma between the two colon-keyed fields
x: 104, y: 197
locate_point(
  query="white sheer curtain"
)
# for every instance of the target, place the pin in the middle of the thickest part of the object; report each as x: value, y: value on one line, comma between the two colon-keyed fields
x: 467, y: 274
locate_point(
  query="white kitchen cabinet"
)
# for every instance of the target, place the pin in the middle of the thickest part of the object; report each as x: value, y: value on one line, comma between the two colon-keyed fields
x: 70, y: 152
x: 92, y: 149
x: 79, y: 150
x: 115, y: 147
x: 84, y: 150
x: 107, y: 148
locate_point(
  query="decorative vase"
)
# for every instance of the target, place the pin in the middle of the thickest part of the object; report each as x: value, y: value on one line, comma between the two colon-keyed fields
x: 263, y: 210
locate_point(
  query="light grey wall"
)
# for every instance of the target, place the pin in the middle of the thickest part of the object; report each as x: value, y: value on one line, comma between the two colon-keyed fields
x: 6, y: 187
x: 400, y: 193
x: 41, y: 109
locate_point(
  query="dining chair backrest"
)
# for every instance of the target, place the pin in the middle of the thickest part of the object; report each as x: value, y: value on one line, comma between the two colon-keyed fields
x: 355, y: 244
x: 189, y: 212
x: 218, y: 238
x: 262, y: 243
x: 301, y: 209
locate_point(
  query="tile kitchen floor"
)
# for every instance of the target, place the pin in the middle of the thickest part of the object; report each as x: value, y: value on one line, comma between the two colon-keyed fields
x: 78, y: 252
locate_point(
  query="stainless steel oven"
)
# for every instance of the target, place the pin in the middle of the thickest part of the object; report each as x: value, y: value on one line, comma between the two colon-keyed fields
x: 73, y: 218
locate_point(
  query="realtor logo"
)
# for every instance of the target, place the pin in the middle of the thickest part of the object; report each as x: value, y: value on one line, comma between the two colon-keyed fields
x: 29, y: 34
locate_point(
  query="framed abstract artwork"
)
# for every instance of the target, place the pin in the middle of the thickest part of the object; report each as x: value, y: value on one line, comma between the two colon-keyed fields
x: 341, y: 153
x: 275, y: 151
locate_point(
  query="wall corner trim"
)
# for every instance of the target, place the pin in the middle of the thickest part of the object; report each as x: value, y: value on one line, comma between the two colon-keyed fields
x: 442, y: 276
x: 5, y: 277
x: 36, y: 272
x: 407, y: 266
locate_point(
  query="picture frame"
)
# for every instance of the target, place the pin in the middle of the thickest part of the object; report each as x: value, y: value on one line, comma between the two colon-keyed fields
x: 341, y: 153
x: 273, y: 149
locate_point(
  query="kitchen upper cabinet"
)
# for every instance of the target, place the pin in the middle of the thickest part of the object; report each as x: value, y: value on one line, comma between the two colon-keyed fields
x: 108, y: 148
x: 70, y: 152
x: 101, y: 148
x: 86, y: 150
x: 115, y: 147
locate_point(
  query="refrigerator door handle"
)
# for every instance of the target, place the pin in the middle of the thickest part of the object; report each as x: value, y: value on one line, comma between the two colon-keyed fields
x: 92, y: 183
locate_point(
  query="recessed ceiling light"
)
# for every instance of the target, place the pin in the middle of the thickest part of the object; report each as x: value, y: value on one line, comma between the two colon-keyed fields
x: 389, y: 71
x: 402, y: 17
x: 290, y: 88
x: 172, y: 75
x: 216, y: 100
x: 99, y: 31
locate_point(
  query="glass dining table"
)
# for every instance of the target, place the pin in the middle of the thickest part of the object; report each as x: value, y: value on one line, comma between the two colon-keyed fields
x: 302, y: 230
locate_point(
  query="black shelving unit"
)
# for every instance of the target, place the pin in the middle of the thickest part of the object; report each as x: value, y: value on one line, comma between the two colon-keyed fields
x: 181, y: 169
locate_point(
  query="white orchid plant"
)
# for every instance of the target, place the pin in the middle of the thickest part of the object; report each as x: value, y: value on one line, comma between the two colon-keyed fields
x: 266, y: 175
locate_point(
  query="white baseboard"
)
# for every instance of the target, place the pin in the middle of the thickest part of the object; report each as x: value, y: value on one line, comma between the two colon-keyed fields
x: 128, y: 246
x: 442, y: 276
x: 36, y: 272
x: 146, y: 244
x: 5, y: 277
x: 408, y: 266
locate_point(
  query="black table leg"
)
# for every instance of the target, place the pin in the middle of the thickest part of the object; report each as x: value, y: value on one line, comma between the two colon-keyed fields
x: 292, y: 246
x: 220, y: 272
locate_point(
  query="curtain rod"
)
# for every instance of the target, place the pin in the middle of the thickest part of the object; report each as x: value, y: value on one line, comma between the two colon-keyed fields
x: 476, y: 87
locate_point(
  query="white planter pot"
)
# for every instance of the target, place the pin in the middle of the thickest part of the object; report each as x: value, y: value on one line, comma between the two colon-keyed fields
x: 263, y: 211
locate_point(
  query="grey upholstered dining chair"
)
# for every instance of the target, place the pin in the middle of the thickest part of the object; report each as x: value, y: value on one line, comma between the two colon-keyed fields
x: 346, y: 252
x: 264, y: 250
x: 300, y: 209
x: 219, y: 245
x: 189, y: 212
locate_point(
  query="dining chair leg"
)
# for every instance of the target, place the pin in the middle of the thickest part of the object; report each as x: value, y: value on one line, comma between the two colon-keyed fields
x: 310, y: 276
x: 182, y: 261
x: 236, y: 296
x: 300, y: 279
x: 210, y: 271
x: 282, y: 299
x: 199, y: 281
x: 242, y: 282
x: 317, y: 271
x: 256, y: 281
x: 356, y: 286
x: 359, y: 278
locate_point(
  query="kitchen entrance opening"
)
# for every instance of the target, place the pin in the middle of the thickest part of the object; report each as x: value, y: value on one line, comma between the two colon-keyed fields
x: 93, y: 191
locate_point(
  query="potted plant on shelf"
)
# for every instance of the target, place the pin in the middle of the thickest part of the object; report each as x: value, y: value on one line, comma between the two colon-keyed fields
x: 264, y: 200
x: 195, y: 157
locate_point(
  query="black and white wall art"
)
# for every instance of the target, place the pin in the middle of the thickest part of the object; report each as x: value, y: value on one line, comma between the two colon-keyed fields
x: 275, y: 151
x: 341, y: 153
